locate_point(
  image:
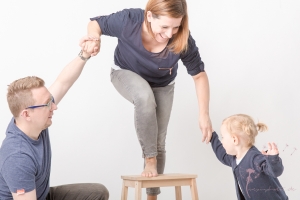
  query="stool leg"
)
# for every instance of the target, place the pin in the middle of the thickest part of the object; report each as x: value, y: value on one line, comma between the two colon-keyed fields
x: 194, y: 190
x: 178, y: 192
x: 124, y: 192
x: 138, y: 190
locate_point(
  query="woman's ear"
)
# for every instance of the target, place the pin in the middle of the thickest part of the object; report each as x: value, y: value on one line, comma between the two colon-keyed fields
x: 149, y: 16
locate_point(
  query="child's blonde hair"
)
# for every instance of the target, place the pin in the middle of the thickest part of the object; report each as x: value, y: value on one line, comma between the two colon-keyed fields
x: 244, y: 126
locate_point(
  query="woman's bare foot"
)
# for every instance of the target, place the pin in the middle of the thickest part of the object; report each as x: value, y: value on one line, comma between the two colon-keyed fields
x: 151, y: 197
x: 150, y: 167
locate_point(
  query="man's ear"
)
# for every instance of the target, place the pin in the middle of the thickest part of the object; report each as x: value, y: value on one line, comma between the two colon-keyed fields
x: 25, y: 114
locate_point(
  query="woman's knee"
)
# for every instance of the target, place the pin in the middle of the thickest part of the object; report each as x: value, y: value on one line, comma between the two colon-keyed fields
x: 145, y: 99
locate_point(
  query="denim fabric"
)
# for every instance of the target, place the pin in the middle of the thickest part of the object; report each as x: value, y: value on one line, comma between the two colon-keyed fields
x: 152, y: 109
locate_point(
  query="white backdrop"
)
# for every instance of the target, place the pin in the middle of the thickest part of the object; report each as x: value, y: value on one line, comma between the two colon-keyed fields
x: 251, y: 50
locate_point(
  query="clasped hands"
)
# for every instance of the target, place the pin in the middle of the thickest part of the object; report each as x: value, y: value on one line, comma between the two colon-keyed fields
x: 90, y: 44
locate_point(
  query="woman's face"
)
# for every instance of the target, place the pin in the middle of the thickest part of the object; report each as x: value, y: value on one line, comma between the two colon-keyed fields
x: 163, y: 27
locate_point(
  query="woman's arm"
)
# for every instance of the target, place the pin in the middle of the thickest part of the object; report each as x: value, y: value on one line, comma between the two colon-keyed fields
x: 92, y: 44
x: 202, y: 90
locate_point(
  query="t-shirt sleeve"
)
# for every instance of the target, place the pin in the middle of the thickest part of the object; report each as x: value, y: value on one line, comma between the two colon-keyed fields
x: 113, y: 24
x: 19, y: 173
x: 191, y: 58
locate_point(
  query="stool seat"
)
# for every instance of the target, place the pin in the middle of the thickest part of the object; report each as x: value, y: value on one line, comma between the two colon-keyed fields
x: 162, y: 180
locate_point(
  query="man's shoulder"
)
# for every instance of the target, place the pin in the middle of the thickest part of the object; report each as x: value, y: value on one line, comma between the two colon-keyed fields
x: 17, y: 144
x: 11, y: 125
x: 11, y: 139
x: 11, y: 146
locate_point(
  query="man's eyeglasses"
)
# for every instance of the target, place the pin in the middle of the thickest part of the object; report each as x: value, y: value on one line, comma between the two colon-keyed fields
x: 49, y: 104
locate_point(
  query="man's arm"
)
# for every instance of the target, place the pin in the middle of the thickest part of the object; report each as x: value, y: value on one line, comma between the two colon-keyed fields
x: 67, y: 77
x: 26, y: 196
x: 18, y: 173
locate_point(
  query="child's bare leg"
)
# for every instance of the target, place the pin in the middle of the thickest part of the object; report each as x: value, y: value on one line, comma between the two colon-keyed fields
x: 150, y: 169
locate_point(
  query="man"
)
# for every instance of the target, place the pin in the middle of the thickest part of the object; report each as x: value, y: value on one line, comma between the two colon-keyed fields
x: 25, y: 154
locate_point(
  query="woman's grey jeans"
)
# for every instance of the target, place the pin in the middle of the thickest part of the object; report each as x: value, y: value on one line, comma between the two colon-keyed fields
x: 152, y: 109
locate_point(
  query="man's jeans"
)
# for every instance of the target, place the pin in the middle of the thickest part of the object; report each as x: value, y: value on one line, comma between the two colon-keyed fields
x: 82, y: 191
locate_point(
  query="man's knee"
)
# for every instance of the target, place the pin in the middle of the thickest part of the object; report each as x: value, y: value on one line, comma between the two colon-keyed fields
x: 92, y: 191
x: 100, y: 191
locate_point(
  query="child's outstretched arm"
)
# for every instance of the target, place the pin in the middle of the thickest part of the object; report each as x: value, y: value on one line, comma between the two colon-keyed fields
x: 220, y: 151
x: 271, y: 163
x: 272, y: 149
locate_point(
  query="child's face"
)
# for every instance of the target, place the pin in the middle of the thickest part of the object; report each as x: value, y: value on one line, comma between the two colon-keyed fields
x: 227, y: 141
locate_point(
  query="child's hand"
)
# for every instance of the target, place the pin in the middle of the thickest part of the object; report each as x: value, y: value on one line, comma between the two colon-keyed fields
x: 272, y: 149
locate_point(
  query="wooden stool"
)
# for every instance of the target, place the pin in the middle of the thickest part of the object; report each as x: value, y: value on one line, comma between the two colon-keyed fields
x: 162, y: 180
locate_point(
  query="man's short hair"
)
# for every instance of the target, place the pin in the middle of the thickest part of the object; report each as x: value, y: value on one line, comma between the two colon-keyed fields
x: 19, y: 95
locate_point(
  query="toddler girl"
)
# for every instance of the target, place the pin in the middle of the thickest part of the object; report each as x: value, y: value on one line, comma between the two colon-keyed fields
x: 255, y: 173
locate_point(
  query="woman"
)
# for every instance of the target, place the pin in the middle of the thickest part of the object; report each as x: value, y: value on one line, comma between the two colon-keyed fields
x: 150, y: 44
